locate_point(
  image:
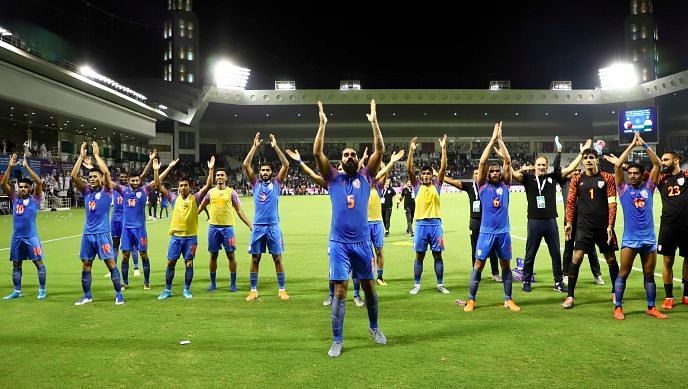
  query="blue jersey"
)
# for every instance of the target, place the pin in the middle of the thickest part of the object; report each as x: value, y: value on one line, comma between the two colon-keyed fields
x: 24, y: 213
x: 97, y: 205
x: 118, y: 207
x: 494, y: 201
x: 134, y: 205
x: 266, y: 199
x: 637, y: 210
x: 349, y: 197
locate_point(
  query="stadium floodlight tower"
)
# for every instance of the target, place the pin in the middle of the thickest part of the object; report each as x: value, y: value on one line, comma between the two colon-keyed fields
x: 618, y: 76
x: 230, y: 76
x: 350, y: 85
x: 561, y: 85
x: 498, y: 85
x: 285, y: 85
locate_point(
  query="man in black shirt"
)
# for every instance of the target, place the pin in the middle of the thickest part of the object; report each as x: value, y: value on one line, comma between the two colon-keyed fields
x: 673, y: 228
x: 387, y: 200
x: 471, y: 189
x: 541, y: 192
x: 409, y: 206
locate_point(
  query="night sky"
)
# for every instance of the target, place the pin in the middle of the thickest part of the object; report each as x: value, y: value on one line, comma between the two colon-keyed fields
x: 427, y: 45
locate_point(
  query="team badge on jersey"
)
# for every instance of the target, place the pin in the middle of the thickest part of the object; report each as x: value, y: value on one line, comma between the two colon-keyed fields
x: 138, y: 195
x: 270, y: 186
x: 357, y: 184
x: 98, y: 196
x: 600, y: 184
x: 499, y: 191
x: 549, y: 179
x: 680, y: 181
x: 25, y: 201
x: 644, y: 193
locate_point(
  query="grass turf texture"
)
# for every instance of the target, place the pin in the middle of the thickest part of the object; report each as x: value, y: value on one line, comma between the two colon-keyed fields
x: 269, y: 342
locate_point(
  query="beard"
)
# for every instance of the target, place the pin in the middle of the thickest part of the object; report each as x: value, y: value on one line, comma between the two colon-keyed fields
x: 350, y: 168
x: 666, y: 169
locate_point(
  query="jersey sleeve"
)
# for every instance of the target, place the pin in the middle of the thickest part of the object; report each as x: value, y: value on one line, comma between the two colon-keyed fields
x: 254, y: 181
x: 437, y: 184
x: 571, y: 200
x: 118, y: 188
x: 621, y: 188
x: 611, y: 198
x: 235, y: 199
x: 148, y: 187
x: 331, y: 176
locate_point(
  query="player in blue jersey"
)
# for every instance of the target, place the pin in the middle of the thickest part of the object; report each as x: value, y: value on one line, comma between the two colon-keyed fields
x: 636, y: 199
x: 96, y: 239
x: 349, y: 247
x: 164, y: 206
x: 25, y: 243
x: 494, y: 182
x: 266, y: 232
x: 134, y: 234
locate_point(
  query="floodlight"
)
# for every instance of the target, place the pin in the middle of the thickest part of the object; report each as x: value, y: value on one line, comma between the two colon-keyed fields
x: 618, y: 76
x: 350, y: 85
x: 229, y: 76
x: 285, y: 85
x: 561, y: 85
x: 497, y: 85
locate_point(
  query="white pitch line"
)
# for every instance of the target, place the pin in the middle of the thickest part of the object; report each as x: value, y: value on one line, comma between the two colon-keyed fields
x: 562, y: 249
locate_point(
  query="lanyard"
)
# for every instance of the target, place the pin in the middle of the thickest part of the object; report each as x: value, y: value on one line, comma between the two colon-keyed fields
x: 540, y: 187
x: 475, y: 190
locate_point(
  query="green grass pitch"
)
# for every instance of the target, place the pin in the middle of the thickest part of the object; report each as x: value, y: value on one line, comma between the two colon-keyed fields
x: 273, y: 343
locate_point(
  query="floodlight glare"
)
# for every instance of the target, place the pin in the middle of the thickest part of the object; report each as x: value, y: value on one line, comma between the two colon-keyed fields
x: 561, y: 85
x: 92, y: 74
x: 618, y: 76
x: 285, y: 85
x: 229, y: 76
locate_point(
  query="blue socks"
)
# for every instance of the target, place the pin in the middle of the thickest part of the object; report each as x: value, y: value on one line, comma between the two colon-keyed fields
x: 371, y: 304
x: 439, y: 271
x: 650, y: 290
x: 232, y: 278
x: 188, y: 277
x: 331, y: 289
x: 16, y: 277
x: 338, y: 311
x: 212, y: 278
x: 379, y: 273
x: 86, y: 282
x: 253, y: 277
x: 417, y: 271
x: 125, y: 272
x: 135, y: 258
x: 146, y: 270
x: 41, y: 276
x: 507, y: 279
x: 475, y: 282
x: 613, y: 273
x: 169, y: 276
x: 280, y: 279
x: 357, y: 288
x: 114, y: 276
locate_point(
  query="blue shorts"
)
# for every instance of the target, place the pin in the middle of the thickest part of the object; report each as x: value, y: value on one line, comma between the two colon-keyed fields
x: 182, y: 245
x: 24, y: 248
x: 221, y: 236
x: 642, y: 246
x: 263, y: 236
x: 115, y: 228
x: 134, y: 238
x: 376, y: 233
x: 428, y: 235
x: 500, y: 243
x: 347, y: 258
x: 92, y: 244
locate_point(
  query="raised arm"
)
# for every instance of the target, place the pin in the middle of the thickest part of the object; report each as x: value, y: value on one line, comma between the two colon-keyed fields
x: 283, y: 160
x: 458, y: 184
x: 443, y: 159
x: 320, y: 157
x: 168, y: 169
x: 364, y: 159
x: 38, y: 182
x: 482, y: 165
x: 654, y: 158
x: 315, y: 177
x: 378, y: 144
x: 409, y: 162
x: 151, y: 156
x: 78, y: 182
x: 396, y: 156
x: 6, y: 187
x: 506, y: 158
x: 102, y: 166
x: 618, y: 170
x: 209, y: 180
x: 248, y: 168
x: 156, y: 177
x: 565, y: 172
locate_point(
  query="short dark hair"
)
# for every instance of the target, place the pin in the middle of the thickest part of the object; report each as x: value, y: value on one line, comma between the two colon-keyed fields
x: 221, y: 169
x: 426, y: 168
x: 636, y: 165
x: 24, y: 180
x: 94, y: 169
x: 675, y: 155
x: 268, y: 164
x: 542, y: 156
x: 589, y: 151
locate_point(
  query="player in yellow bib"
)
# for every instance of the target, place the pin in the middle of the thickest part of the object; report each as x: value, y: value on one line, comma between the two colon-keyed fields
x: 427, y: 215
x: 221, y: 230
x: 183, y: 227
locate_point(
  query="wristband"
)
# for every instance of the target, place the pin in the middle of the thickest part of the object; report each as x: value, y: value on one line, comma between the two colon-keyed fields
x: 646, y: 146
x: 299, y: 161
